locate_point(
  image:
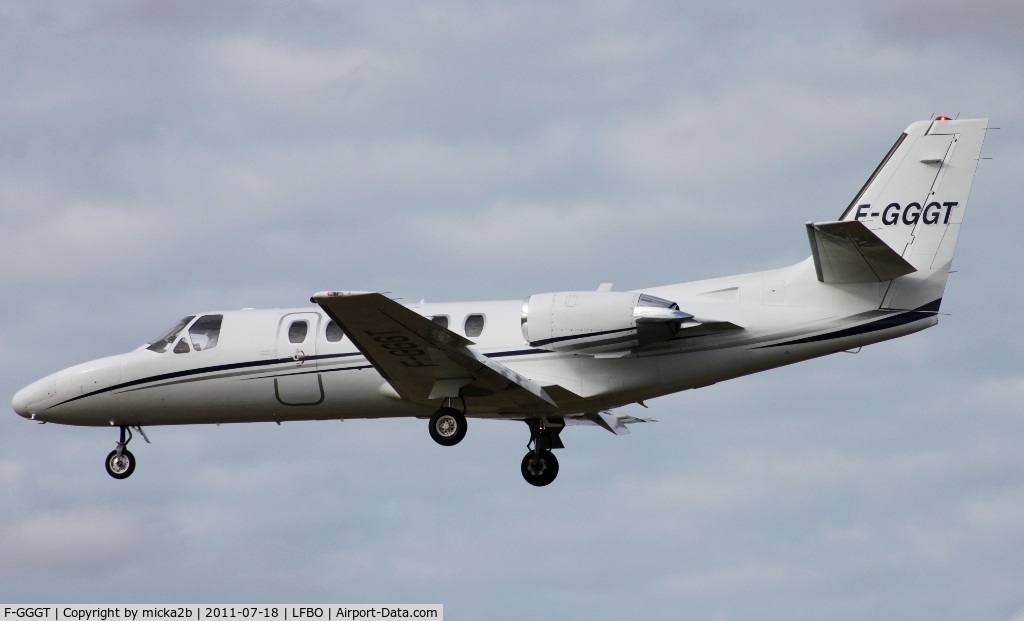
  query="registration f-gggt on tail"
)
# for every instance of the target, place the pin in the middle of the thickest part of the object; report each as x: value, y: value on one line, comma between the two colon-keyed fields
x: 553, y: 359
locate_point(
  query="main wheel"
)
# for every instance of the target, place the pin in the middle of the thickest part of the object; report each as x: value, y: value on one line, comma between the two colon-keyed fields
x: 447, y: 426
x: 540, y: 468
x: 120, y: 467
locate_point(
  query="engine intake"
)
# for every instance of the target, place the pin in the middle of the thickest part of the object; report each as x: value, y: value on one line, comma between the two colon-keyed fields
x: 592, y: 322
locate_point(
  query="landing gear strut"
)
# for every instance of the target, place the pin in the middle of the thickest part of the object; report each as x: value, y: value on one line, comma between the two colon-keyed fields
x: 448, y: 425
x: 121, y: 463
x: 540, y: 467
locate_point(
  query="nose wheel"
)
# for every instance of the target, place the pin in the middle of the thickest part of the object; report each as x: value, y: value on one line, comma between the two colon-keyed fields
x: 120, y: 462
x: 120, y: 466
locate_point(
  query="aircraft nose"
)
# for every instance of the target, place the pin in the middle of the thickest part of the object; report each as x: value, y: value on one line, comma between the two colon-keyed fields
x: 32, y: 394
x: 21, y: 401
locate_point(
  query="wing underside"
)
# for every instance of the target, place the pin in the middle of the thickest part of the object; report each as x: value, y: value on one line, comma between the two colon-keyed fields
x: 425, y: 362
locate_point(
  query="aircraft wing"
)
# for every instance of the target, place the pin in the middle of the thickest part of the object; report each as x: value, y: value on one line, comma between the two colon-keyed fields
x: 847, y: 252
x: 422, y: 360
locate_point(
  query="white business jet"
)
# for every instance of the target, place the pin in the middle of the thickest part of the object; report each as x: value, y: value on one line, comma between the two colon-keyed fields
x: 553, y: 359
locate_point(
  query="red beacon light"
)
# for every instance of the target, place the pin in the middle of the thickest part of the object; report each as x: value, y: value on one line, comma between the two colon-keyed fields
x: 942, y: 118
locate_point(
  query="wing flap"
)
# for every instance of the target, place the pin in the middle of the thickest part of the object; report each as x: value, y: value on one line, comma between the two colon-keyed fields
x: 495, y: 374
x: 615, y: 422
x: 847, y: 252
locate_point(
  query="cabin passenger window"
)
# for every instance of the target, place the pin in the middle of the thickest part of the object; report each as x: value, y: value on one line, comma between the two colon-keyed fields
x: 334, y: 332
x: 441, y: 320
x: 161, y: 344
x: 297, y: 331
x: 205, y: 332
x: 474, y: 325
x: 181, y: 347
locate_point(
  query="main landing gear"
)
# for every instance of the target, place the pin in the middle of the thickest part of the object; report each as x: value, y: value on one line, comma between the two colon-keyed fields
x: 120, y: 462
x: 540, y: 467
x: 448, y: 425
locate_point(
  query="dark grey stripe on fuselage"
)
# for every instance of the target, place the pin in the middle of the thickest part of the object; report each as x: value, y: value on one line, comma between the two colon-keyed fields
x: 250, y: 374
x: 559, y: 339
x: 518, y: 352
x: 252, y: 364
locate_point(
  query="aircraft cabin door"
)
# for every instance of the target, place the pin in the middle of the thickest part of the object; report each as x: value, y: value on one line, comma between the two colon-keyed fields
x: 298, y: 383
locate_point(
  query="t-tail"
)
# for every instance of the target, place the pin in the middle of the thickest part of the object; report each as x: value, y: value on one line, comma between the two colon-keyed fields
x: 903, y: 225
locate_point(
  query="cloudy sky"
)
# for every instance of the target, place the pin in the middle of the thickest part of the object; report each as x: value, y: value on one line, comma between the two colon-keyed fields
x: 158, y: 159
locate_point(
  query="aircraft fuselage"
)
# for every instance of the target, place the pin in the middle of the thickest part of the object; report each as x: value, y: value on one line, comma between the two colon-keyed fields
x: 254, y: 374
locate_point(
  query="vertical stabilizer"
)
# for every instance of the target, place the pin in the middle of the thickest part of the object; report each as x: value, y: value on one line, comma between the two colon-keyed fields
x: 916, y: 199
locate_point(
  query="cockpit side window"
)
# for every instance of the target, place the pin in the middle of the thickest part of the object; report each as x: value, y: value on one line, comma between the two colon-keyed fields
x: 205, y: 332
x: 334, y: 332
x: 161, y: 344
x: 181, y: 347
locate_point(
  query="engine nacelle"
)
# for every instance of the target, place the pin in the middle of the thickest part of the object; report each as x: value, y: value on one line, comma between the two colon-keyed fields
x: 593, y: 322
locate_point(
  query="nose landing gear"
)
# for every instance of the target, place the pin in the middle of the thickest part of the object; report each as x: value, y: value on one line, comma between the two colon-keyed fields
x: 120, y: 466
x: 120, y: 462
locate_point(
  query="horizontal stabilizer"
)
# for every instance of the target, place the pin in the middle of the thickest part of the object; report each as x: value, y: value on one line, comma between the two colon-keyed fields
x: 847, y: 252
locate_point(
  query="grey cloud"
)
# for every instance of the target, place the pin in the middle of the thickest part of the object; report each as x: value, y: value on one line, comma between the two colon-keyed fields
x: 181, y: 17
x: 941, y: 23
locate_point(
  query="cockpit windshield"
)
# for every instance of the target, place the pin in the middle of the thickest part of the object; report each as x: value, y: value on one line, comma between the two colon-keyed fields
x: 161, y: 344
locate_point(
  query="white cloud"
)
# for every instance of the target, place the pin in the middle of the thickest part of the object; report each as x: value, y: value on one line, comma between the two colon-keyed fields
x: 730, y: 581
x: 281, y: 79
x: 11, y: 471
x: 79, y: 540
